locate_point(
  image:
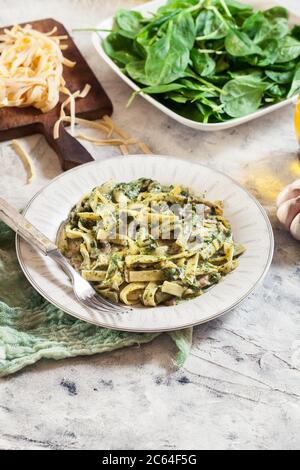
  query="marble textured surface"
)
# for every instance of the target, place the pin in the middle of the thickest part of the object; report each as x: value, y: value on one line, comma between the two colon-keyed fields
x: 240, y: 389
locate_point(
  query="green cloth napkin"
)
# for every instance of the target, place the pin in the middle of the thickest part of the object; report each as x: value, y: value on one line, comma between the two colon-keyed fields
x: 32, y: 329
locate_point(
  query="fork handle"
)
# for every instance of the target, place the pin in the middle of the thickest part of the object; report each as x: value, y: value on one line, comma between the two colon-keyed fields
x: 24, y: 228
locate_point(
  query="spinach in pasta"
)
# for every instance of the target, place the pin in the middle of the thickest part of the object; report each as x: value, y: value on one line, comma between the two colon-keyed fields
x: 143, y: 242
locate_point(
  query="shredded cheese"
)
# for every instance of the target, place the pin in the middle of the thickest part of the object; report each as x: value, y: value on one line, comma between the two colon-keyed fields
x: 26, y: 160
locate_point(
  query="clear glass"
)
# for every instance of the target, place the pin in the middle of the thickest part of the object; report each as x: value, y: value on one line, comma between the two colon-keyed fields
x: 297, y: 124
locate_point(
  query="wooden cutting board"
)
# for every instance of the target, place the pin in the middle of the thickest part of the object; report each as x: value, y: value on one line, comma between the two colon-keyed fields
x: 20, y: 122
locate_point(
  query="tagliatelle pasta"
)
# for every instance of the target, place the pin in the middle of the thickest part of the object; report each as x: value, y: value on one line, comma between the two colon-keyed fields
x: 72, y: 118
x: 143, y: 242
x: 31, y: 73
x: 31, y: 68
x: 103, y: 142
x: 26, y: 160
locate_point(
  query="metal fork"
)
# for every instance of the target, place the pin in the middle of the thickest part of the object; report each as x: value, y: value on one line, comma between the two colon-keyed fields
x: 84, y: 292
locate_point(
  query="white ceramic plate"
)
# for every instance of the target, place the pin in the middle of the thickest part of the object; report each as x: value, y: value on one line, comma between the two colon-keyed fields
x: 151, y: 7
x: 250, y: 226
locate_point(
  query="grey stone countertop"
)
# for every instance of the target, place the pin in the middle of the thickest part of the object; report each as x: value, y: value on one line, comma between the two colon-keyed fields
x: 240, y: 388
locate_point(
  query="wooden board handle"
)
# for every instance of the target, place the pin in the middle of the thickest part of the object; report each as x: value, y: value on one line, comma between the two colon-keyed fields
x: 70, y: 152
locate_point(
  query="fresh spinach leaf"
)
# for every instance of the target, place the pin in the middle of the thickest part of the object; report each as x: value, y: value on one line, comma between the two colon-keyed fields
x: 169, y: 56
x: 189, y: 110
x: 200, y: 98
x: 164, y: 63
x: 280, y: 28
x: 257, y: 27
x: 156, y: 90
x: 269, y: 55
x: 203, y: 63
x: 242, y: 97
x: 238, y: 8
x: 295, y: 88
x: 285, y: 67
x: 209, y: 60
x: 277, y: 91
x: 136, y: 71
x: 276, y: 12
x: 177, y: 5
x: 253, y: 73
x: 159, y: 20
x: 177, y: 97
x: 282, y: 78
x: 289, y: 49
x: 210, y: 26
x: 296, y: 32
x: 222, y: 64
x: 238, y: 44
x: 184, y: 29
x: 130, y: 22
x: 119, y: 48
x: 159, y: 89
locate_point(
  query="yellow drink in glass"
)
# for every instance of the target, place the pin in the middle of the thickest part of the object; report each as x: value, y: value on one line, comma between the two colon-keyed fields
x: 297, y: 120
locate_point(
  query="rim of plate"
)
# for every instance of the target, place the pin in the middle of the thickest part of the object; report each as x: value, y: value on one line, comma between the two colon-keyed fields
x: 150, y: 330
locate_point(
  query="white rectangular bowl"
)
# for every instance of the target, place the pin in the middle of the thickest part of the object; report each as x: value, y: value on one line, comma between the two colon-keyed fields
x: 146, y: 10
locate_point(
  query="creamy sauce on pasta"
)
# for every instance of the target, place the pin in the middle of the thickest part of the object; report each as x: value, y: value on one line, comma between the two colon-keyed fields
x: 146, y: 243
